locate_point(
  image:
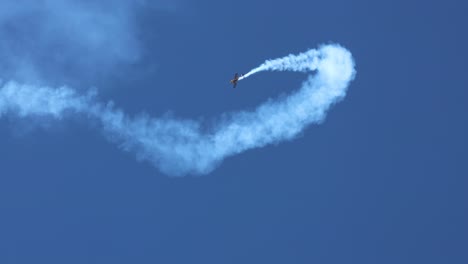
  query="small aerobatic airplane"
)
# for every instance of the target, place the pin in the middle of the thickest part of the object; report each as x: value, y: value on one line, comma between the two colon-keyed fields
x: 235, y: 80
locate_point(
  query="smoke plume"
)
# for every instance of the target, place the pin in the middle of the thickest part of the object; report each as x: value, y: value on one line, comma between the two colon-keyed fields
x: 180, y: 147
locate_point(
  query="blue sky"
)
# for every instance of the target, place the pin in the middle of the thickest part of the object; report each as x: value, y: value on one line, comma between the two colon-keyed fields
x: 382, y: 180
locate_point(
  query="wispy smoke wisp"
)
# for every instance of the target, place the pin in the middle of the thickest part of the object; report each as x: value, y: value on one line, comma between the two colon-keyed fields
x: 72, y: 41
x: 180, y: 147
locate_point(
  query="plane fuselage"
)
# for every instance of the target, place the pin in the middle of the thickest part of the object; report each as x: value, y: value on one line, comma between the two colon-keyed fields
x: 235, y: 80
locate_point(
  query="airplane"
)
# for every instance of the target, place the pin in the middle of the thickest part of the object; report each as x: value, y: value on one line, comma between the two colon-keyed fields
x: 235, y: 80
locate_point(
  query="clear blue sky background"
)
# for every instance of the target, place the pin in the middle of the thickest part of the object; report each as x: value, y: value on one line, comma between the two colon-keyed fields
x: 383, y: 180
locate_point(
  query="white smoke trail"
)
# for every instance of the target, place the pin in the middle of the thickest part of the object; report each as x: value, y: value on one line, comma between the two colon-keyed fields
x: 307, y: 61
x: 179, y: 147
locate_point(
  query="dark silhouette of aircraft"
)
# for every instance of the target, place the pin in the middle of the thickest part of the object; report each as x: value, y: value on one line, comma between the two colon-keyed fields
x: 235, y: 80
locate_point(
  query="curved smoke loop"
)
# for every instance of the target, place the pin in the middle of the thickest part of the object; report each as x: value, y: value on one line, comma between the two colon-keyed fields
x: 179, y: 147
